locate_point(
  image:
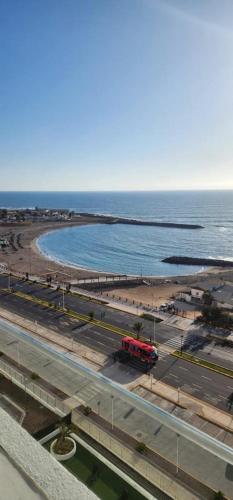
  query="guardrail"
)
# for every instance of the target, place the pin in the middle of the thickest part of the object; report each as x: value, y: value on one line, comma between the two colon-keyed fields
x: 30, y: 387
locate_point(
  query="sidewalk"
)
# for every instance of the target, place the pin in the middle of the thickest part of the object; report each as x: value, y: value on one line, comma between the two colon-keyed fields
x: 180, y: 398
x: 95, y: 360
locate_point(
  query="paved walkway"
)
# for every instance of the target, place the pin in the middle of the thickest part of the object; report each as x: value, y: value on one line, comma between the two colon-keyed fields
x: 96, y: 360
x: 178, y: 397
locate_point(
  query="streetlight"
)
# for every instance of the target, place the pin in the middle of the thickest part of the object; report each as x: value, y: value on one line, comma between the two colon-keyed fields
x: 181, y: 343
x: 177, y: 453
x: 18, y: 353
x: 151, y: 380
x: 98, y: 405
x: 63, y: 299
x: 112, y: 397
x: 9, y: 281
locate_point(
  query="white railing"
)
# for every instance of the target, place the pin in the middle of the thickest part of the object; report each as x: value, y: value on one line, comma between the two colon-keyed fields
x: 30, y: 387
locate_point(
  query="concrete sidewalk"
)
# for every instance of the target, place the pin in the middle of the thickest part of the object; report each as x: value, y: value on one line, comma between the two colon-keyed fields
x: 96, y: 360
x: 180, y: 398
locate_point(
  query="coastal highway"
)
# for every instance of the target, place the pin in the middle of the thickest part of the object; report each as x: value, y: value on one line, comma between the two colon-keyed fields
x: 84, y: 306
x: 200, y: 382
x: 195, y: 343
x: 60, y: 371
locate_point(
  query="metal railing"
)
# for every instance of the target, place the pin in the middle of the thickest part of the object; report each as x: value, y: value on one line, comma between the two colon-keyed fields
x: 33, y: 389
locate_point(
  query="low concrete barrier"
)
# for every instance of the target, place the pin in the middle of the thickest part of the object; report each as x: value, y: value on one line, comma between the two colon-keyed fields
x: 146, y: 469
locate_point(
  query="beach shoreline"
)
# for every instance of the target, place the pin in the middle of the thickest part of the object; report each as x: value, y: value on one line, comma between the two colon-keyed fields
x: 29, y: 258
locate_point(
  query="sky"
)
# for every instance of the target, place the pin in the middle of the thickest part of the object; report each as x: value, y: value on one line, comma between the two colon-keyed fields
x: 116, y: 94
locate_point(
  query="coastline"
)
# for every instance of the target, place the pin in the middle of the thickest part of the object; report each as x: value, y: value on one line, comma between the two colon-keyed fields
x: 31, y: 256
x: 44, y: 254
x: 28, y: 257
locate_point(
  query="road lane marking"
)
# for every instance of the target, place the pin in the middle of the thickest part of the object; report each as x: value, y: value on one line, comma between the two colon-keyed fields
x: 207, y: 378
x: 198, y: 386
x: 182, y: 368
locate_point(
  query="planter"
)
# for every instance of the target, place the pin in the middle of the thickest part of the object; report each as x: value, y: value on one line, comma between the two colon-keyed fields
x: 66, y: 456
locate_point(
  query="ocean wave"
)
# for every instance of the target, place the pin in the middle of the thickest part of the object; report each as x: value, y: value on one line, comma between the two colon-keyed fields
x: 221, y: 257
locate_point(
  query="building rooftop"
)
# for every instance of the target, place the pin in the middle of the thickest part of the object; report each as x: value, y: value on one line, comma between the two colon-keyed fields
x: 28, y: 471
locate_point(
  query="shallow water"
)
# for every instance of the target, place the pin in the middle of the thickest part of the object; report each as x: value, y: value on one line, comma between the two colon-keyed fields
x: 136, y: 249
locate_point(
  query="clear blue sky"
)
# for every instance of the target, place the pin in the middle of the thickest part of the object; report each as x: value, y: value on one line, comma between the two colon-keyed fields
x: 116, y: 94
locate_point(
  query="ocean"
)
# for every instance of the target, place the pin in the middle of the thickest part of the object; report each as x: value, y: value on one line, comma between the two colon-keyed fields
x: 136, y: 249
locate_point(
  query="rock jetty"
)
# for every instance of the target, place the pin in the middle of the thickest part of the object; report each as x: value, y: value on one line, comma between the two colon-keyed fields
x: 198, y: 261
x: 135, y: 222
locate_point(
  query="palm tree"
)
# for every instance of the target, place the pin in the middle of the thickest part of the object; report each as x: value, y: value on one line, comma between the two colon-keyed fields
x: 138, y: 327
x: 61, y: 442
x: 91, y: 315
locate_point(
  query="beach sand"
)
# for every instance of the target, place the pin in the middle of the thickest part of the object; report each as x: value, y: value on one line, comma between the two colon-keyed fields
x: 24, y: 256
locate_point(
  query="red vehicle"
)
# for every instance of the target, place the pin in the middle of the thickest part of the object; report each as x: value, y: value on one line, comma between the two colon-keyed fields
x: 138, y: 351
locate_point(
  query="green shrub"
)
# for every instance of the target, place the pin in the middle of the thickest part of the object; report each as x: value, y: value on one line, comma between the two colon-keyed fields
x: 140, y: 447
x: 87, y: 410
x: 219, y: 496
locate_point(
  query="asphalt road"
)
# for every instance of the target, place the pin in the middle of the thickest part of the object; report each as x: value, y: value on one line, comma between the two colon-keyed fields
x: 83, y: 306
x: 200, y: 382
x: 193, y: 459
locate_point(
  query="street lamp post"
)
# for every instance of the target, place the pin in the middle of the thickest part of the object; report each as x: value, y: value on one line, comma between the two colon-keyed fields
x: 181, y: 343
x: 18, y: 353
x: 63, y: 299
x: 112, y: 397
x: 177, y: 453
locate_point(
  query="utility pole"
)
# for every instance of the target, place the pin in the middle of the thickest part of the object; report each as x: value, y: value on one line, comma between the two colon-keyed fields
x: 181, y: 344
x: 30, y: 260
x: 154, y: 330
x: 63, y: 299
x: 18, y: 353
x: 177, y: 453
x: 112, y: 397
x: 9, y: 281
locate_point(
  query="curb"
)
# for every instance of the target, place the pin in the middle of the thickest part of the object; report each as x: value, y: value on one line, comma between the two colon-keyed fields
x: 198, y: 361
x: 222, y: 426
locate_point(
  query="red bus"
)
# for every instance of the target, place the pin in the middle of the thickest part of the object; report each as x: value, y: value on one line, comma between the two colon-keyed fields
x: 137, y: 349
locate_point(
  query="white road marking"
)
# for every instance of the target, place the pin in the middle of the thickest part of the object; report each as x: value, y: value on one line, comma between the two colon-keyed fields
x: 182, y: 368
x: 198, y: 386
x: 207, y: 378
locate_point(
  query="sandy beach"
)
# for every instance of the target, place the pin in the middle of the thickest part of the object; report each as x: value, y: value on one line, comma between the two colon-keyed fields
x: 24, y: 256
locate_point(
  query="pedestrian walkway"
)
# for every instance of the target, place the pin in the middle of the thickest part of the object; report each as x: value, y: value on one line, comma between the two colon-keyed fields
x: 206, y: 411
x: 179, y: 322
x: 67, y: 345
x: 172, y: 345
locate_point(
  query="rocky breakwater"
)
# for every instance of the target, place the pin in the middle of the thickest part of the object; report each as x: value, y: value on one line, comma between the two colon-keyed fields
x: 135, y: 222
x: 198, y: 261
